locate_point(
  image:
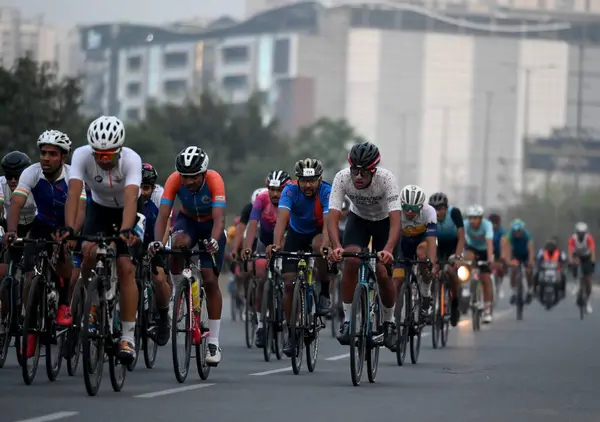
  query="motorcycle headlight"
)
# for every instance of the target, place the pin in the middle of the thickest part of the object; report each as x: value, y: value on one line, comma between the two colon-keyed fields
x: 463, y: 273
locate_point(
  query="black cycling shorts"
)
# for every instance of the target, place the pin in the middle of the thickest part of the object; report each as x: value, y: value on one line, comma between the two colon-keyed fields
x: 480, y: 256
x: 296, y: 242
x: 107, y: 222
x: 358, y: 232
x: 446, y: 248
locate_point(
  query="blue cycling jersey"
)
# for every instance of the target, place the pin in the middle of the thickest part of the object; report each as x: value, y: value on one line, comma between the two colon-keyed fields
x: 477, y: 238
x: 50, y: 197
x: 151, y: 207
x: 306, y: 214
x: 518, y: 245
x: 497, y: 236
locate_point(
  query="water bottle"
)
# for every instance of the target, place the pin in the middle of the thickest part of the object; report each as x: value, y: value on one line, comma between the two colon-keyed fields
x: 195, y: 295
x: 140, y: 226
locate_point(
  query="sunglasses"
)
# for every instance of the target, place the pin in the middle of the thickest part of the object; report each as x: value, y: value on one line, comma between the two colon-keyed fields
x: 413, y: 208
x: 355, y: 171
x: 309, y: 180
x: 11, y: 176
x: 106, y: 155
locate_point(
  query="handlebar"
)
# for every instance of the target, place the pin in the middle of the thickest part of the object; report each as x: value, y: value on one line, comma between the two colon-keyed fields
x: 299, y: 255
x: 359, y: 255
x: 22, y: 241
x: 477, y: 263
x: 187, y: 253
x: 95, y: 239
x: 406, y: 261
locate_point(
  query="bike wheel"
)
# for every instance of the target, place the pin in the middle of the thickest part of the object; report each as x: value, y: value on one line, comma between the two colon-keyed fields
x: 182, y: 323
x: 55, y: 342
x: 476, y: 307
x: 373, y: 352
x: 297, y: 327
x: 116, y: 369
x: 267, y: 315
x: 520, y: 300
x: 313, y: 327
x: 250, y: 322
x: 436, y: 323
x: 5, y: 325
x: 403, y: 316
x: 202, y: 348
x: 279, y: 329
x: 148, y: 343
x: 73, y: 343
x: 93, y: 342
x: 415, y: 334
x: 446, y: 311
x: 32, y: 329
x: 139, y: 326
x: 358, y: 329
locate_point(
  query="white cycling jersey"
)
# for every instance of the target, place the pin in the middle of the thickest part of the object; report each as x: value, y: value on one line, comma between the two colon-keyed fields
x: 107, y: 186
x: 156, y: 195
x: 373, y: 203
x: 29, y: 210
x: 419, y: 225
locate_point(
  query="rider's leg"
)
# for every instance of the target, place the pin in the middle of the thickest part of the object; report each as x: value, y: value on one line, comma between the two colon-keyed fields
x: 426, y: 278
x: 324, y: 306
x: 162, y: 290
x: 261, y: 275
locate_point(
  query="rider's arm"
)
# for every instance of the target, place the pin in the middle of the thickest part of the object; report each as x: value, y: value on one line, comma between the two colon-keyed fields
x: 431, y: 242
x: 592, y: 246
x: 27, y: 181
x: 240, y: 228
x: 255, y: 214
x: 133, y: 180
x: 457, y: 218
x: 489, y: 241
x: 325, y: 195
x: 530, y: 249
x: 505, y: 248
x: 1, y: 202
x: 395, y: 212
x: 166, y: 205
x: 283, y: 215
x: 336, y: 202
x: 217, y: 187
x: 80, y: 220
x: 571, y: 248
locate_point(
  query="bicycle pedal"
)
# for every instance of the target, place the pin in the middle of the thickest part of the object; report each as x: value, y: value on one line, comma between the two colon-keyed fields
x: 377, y: 340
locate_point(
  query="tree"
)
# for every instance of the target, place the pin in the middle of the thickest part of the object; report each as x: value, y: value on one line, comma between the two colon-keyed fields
x: 32, y: 100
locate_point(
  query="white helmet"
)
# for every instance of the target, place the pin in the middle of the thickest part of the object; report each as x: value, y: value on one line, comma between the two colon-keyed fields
x: 256, y: 193
x: 475, y: 211
x: 56, y: 138
x: 106, y: 132
x: 412, y: 195
x: 581, y: 227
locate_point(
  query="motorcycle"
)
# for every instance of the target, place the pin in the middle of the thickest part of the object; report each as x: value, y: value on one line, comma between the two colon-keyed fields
x: 549, y: 285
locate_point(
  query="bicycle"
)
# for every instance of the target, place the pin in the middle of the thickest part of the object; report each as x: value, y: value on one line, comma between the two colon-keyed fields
x: 408, y: 313
x: 477, y: 301
x: 442, y: 296
x: 250, y: 318
x: 11, y: 290
x: 304, y: 322
x: 582, y: 296
x: 337, y: 310
x: 73, y: 346
x: 193, y: 314
x: 520, y: 291
x: 40, y: 313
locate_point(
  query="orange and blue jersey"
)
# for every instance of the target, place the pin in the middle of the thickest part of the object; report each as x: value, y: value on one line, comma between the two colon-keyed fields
x: 196, y: 205
x: 306, y: 214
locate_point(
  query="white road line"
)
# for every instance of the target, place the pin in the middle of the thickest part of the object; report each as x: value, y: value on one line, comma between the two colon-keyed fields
x: 338, y: 357
x: 172, y: 391
x: 51, y: 417
x: 272, y: 371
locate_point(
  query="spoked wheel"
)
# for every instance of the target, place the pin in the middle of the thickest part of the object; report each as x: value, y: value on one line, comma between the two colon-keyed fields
x: 268, y: 316
x: 313, y: 326
x: 403, y: 314
x: 297, y: 326
x: 520, y: 300
x: 335, y: 308
x: 116, y: 369
x: 32, y: 328
x: 5, y: 323
x: 446, y: 310
x: 93, y: 339
x: 148, y: 337
x: 250, y: 322
x: 358, y: 329
x: 73, y: 344
x: 202, y: 348
x: 415, y: 335
x: 476, y: 307
x: 437, y: 318
x: 55, y: 342
x: 139, y: 326
x: 373, y: 347
x: 279, y: 329
x: 182, y: 324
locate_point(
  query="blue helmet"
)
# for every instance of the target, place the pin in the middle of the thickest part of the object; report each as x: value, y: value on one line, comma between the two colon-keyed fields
x: 517, y: 225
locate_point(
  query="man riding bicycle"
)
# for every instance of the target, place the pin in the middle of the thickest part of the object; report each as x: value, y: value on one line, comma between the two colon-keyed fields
x: 582, y: 252
x: 551, y: 254
x: 519, y: 251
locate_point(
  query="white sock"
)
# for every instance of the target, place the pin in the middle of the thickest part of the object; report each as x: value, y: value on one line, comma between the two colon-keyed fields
x: 128, y: 331
x: 388, y: 313
x: 214, y: 325
x: 347, y: 309
x: 260, y: 323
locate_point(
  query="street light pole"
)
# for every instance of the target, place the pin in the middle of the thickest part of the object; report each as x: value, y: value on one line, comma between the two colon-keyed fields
x: 444, y: 157
x: 579, y: 128
x: 489, y: 95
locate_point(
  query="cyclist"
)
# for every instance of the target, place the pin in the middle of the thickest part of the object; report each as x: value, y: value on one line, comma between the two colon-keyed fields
x: 418, y: 240
x: 451, y: 243
x: 200, y: 219
x: 582, y: 251
x: 304, y: 205
x: 479, y: 234
x: 375, y: 213
x: 47, y: 182
x: 519, y: 250
x: 151, y: 194
x: 551, y: 253
x: 13, y: 165
x: 499, y: 264
x: 264, y: 210
x: 114, y: 174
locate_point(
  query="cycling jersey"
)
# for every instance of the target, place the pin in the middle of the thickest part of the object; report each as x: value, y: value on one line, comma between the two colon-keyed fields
x: 29, y: 209
x: 245, y: 215
x: 306, y: 214
x: 151, y: 207
x: 423, y: 225
x: 498, y: 233
x: 373, y: 203
x: 196, y: 205
x: 265, y: 213
x: 582, y: 248
x: 107, y: 186
x: 447, y: 229
x: 50, y: 197
x: 518, y: 245
x: 477, y: 238
x: 557, y: 256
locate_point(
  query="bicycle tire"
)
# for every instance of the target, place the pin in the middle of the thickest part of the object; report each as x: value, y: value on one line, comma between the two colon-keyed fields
x: 116, y: 369
x: 34, y: 300
x: 476, y: 307
x: 182, y: 301
x: 139, y: 321
x: 280, y: 332
x: 92, y: 374
x: 313, y: 326
x: 202, y: 348
x: 250, y: 315
x: 520, y: 299
x: 267, y: 315
x: 357, y: 328
x: 296, y: 330
x: 445, y: 332
x: 148, y: 342
x: 403, y: 316
x: 73, y: 345
x: 53, y: 368
x: 6, y: 336
x: 415, y: 334
x: 372, y: 355
x: 436, y: 322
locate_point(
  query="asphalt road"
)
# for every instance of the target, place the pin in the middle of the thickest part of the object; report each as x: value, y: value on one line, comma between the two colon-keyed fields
x: 543, y: 368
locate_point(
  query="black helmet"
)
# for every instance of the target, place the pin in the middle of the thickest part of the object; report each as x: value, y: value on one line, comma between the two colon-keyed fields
x: 552, y: 243
x: 309, y: 167
x: 277, y: 178
x: 438, y: 199
x: 495, y: 218
x: 15, y: 162
x: 191, y: 161
x: 149, y: 174
x: 365, y: 155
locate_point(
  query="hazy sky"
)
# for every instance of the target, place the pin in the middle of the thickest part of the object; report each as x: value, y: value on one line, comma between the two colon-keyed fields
x: 71, y: 12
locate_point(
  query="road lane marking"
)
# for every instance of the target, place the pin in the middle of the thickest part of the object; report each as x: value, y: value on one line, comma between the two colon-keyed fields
x: 172, y: 391
x: 338, y: 357
x: 272, y: 371
x: 50, y: 417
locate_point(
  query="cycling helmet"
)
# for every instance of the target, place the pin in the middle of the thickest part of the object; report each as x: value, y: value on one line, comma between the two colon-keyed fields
x: 412, y: 195
x: 191, y: 161
x: 364, y: 155
x: 551, y: 244
x: 517, y: 225
x: 278, y: 179
x: 309, y: 167
x: 106, y: 132
x: 15, y: 162
x: 149, y: 174
x: 256, y: 193
x: 475, y: 211
x: 438, y: 199
x: 495, y: 218
x: 581, y: 227
x: 56, y: 138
